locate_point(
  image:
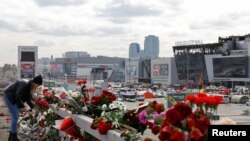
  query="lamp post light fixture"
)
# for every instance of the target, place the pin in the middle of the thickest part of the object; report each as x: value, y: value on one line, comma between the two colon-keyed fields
x: 66, y: 78
x: 129, y: 73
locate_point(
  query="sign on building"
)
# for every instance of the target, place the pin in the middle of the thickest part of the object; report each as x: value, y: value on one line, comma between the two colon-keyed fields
x: 27, y: 62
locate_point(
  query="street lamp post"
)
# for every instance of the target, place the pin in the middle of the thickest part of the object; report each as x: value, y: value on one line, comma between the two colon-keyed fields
x: 66, y: 78
x: 129, y: 70
x: 187, y: 68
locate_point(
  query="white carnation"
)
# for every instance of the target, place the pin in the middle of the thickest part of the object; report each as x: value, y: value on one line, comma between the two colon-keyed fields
x: 50, y: 110
x: 124, y: 108
x: 104, y: 107
x: 112, y: 106
x: 84, y: 109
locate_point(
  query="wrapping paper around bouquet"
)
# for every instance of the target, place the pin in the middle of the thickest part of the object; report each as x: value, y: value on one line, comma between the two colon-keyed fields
x: 72, y: 131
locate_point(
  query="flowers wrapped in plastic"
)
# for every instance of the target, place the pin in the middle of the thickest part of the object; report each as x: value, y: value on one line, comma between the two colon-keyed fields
x: 68, y: 126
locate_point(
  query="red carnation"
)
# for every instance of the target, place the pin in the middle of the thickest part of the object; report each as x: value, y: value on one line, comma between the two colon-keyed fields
x: 184, y: 109
x: 43, y: 103
x: 166, y: 132
x: 177, y: 135
x: 84, y: 82
x: 202, y: 124
x: 149, y: 124
x: 155, y: 129
x: 173, y: 117
x: 190, y: 123
x: 63, y: 95
x: 147, y: 139
x: 111, y: 97
x: 95, y: 100
x: 201, y: 94
x: 103, y: 127
x: 218, y: 100
x: 159, y: 108
x: 104, y: 93
x: 191, y: 98
x: 154, y: 102
x: 196, y: 135
x: 200, y: 101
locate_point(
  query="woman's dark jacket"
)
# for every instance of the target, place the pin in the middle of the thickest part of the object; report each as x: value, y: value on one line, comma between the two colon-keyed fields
x: 19, y: 92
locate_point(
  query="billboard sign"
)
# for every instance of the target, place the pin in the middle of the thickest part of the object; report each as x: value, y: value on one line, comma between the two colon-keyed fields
x: 160, y: 69
x: 27, y: 61
x: 57, y: 70
x: 131, y: 70
x: 27, y: 70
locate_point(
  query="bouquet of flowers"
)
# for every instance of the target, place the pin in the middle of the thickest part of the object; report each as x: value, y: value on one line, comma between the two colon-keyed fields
x: 42, y: 105
x: 98, y: 103
x: 68, y: 126
x: 183, y: 123
x: 110, y: 118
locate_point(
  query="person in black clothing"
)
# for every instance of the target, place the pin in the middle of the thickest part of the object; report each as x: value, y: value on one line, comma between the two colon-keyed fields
x: 15, y: 95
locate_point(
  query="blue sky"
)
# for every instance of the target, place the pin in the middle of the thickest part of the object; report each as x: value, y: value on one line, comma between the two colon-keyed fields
x: 107, y: 27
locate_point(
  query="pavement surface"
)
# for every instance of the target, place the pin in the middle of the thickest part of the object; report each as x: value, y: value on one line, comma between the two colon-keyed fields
x: 4, y: 124
x: 240, y: 113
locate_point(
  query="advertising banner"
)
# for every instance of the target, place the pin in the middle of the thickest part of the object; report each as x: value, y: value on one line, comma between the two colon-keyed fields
x: 131, y: 70
x: 160, y: 69
x: 27, y: 70
x: 57, y: 70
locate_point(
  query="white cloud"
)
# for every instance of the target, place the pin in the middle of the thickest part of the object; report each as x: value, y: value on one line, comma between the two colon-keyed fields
x: 59, y: 2
x: 107, y: 27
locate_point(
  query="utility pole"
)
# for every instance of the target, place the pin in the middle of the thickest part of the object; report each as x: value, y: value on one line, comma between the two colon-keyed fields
x: 187, y: 68
x: 129, y: 70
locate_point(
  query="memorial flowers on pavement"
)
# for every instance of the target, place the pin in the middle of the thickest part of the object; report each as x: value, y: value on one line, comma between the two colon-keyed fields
x: 107, y: 112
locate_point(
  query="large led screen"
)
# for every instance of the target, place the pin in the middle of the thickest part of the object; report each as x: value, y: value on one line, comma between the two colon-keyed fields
x: 27, y: 56
x: 233, y: 67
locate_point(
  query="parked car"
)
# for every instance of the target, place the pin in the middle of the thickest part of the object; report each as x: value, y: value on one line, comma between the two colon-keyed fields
x: 248, y: 103
x: 160, y: 94
x: 140, y: 97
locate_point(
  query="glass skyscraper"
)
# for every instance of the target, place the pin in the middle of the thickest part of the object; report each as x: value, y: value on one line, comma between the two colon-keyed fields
x: 134, y: 50
x: 151, y: 46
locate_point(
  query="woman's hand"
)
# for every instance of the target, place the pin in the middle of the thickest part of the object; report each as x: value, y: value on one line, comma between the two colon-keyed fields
x: 24, y: 110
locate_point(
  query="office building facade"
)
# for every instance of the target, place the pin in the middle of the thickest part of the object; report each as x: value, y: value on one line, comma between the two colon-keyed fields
x: 151, y: 46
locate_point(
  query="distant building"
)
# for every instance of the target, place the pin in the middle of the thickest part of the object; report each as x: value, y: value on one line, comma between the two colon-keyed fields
x: 134, y: 50
x: 76, y: 54
x: 156, y: 71
x: 44, y: 67
x: 223, y: 63
x: 27, y: 62
x: 90, y: 68
x: 151, y: 46
x: 232, y: 66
